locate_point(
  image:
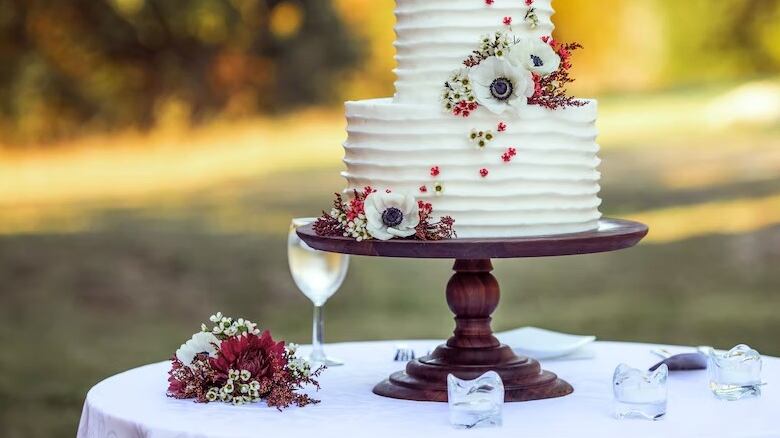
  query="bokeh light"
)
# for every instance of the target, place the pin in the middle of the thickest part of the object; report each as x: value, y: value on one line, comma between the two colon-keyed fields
x: 286, y: 19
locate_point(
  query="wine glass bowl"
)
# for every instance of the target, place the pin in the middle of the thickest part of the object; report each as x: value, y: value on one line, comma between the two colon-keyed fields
x: 318, y: 275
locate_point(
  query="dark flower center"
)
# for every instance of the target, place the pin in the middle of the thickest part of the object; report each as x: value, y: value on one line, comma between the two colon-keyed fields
x: 537, y: 61
x: 392, y: 217
x: 501, y: 88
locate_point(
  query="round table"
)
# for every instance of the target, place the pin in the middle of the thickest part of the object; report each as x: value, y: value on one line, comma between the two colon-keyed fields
x: 133, y: 404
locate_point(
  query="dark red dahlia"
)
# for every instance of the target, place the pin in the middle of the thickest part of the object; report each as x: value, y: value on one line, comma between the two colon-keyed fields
x: 260, y: 355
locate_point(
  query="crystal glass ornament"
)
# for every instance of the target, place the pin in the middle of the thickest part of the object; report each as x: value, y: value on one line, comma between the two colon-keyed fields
x: 475, y: 403
x: 639, y: 393
x: 736, y: 373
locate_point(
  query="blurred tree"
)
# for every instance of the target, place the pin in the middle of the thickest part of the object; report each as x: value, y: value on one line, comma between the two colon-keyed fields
x: 721, y: 39
x: 372, y: 21
x: 67, y: 65
x: 646, y: 44
x: 101, y: 64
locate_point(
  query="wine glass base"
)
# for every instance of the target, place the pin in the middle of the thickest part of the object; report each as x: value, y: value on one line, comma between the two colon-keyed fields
x: 327, y: 361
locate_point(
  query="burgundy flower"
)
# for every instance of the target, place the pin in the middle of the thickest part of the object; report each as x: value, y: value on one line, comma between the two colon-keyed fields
x: 190, y: 381
x: 260, y: 355
x: 178, y: 378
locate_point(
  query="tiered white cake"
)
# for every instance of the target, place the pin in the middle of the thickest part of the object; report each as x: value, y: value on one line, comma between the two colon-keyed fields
x: 411, y: 144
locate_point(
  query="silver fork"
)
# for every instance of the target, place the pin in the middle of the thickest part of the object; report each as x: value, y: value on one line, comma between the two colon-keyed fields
x: 403, y: 354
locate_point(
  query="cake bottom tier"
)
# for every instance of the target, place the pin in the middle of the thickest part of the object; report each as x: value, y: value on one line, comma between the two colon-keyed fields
x: 537, y: 176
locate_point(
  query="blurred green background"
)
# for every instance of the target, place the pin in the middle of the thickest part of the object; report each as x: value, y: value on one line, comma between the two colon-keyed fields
x: 153, y: 152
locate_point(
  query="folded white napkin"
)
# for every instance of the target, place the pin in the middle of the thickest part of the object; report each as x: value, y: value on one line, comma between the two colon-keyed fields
x: 545, y: 344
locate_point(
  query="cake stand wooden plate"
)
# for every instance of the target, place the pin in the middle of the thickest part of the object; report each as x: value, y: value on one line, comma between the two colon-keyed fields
x: 473, y: 295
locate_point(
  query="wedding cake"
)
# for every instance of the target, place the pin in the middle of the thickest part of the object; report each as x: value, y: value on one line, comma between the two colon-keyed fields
x: 480, y: 128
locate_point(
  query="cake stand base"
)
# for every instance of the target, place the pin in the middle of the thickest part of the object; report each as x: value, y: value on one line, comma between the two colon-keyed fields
x: 472, y: 294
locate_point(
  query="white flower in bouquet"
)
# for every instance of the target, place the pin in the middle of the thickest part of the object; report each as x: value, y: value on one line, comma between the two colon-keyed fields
x: 202, y: 342
x: 534, y: 55
x: 499, y: 85
x: 390, y: 215
x: 225, y: 326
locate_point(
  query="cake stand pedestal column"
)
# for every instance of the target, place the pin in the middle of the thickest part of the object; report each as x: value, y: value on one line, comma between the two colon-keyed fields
x: 472, y: 295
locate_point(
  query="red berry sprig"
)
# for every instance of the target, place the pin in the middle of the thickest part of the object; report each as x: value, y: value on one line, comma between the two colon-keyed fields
x: 425, y: 207
x: 483, y: 172
x: 464, y: 108
x: 509, y: 154
x: 435, y: 171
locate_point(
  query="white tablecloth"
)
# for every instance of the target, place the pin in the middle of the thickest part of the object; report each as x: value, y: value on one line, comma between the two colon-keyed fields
x: 133, y: 404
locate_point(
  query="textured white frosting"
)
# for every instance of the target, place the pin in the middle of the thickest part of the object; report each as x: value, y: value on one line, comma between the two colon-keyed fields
x: 550, y: 187
x: 435, y: 36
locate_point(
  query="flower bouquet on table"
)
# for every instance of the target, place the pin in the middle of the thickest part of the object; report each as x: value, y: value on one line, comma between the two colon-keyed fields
x: 234, y: 362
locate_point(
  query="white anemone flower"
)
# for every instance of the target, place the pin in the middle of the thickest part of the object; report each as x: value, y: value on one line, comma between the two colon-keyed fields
x: 202, y: 342
x: 391, y: 215
x: 499, y: 85
x: 535, y: 55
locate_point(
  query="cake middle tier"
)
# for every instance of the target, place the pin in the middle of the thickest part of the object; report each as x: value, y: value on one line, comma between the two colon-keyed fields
x: 435, y: 36
x: 538, y: 176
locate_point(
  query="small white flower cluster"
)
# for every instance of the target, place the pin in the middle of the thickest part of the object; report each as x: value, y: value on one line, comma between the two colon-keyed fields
x: 249, y: 390
x: 297, y: 366
x: 224, y: 325
x: 458, y: 89
x: 531, y: 18
x: 355, y: 228
x: 481, y: 138
x: 495, y: 44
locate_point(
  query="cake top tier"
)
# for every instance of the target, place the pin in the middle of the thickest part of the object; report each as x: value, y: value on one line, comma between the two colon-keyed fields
x: 433, y: 36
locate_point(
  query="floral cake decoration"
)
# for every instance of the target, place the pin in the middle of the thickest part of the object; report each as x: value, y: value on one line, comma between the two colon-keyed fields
x: 384, y: 215
x: 234, y: 362
x: 506, y: 72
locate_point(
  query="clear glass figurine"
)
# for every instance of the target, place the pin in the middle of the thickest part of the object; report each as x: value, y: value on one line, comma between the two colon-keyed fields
x: 475, y: 403
x: 639, y: 393
x: 736, y: 373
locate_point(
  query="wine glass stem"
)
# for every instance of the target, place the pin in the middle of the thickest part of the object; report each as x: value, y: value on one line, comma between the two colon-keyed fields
x: 317, y: 335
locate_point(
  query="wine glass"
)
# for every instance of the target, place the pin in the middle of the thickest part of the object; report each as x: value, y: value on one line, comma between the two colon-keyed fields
x: 318, y: 274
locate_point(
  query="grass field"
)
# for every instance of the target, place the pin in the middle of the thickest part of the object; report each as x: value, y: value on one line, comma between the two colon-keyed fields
x: 113, y: 250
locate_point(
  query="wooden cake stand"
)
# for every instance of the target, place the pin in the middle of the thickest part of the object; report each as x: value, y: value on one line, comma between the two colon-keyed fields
x: 472, y: 295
